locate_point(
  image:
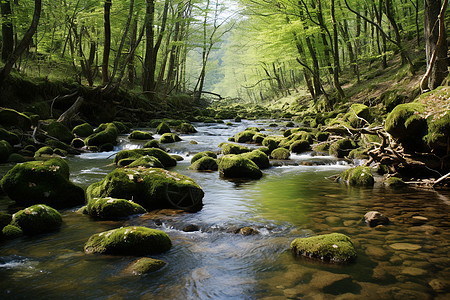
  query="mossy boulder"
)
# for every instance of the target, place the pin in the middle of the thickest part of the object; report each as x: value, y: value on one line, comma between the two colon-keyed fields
x: 203, y: 154
x: 322, y: 136
x: 152, y: 188
x: 358, y: 176
x: 342, y: 147
x: 245, y: 136
x: 187, y: 128
x: 280, y: 154
x: 270, y: 143
x: 77, y: 143
x: 359, y: 153
x: 230, y: 148
x: 152, y: 144
x: 163, y: 128
x: 146, y: 265
x: 60, y: 131
x: 112, y: 208
x: 9, y: 136
x: 169, y: 138
x: 258, y: 138
x: 356, y: 115
x: 146, y: 161
x: 205, y: 163
x: 5, y: 150
x: 300, y: 146
x: 140, y: 135
x: 36, y: 219
x: 439, y: 132
x: 132, y: 240
x: 83, y: 130
x: 13, y: 118
x: 16, y: 158
x: 10, y: 232
x: 109, y: 134
x: 122, y: 127
x: 333, y: 247
x: 161, y: 155
x: 237, y: 166
x: 5, y: 219
x: 259, y: 158
x: 42, y: 182
x: 45, y: 151
x: 395, y: 182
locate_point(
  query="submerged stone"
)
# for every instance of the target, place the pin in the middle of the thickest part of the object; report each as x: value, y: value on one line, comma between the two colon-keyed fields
x: 161, y: 155
x: 146, y: 265
x: 112, y: 208
x: 140, y: 135
x: 374, y: 218
x: 132, y: 240
x: 334, y: 247
x: 405, y: 246
x: 37, y: 219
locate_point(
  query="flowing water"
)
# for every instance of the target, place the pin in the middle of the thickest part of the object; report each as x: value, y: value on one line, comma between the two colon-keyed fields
x: 403, y: 260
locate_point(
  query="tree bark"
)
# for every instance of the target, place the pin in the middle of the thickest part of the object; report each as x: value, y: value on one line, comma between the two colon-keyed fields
x: 7, y: 30
x: 336, y: 54
x: 107, y: 43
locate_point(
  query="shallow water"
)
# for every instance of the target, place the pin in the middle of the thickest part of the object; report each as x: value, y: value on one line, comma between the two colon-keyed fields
x: 215, y: 263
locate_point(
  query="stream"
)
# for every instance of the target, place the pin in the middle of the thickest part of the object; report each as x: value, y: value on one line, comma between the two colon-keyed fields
x: 407, y: 259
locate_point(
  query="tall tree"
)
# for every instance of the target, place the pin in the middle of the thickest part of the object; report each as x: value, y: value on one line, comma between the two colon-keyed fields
x: 7, y: 30
x: 107, y: 43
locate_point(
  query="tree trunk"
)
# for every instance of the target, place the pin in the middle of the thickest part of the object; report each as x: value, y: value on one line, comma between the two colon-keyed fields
x: 7, y: 30
x: 439, y: 69
x: 107, y: 44
x: 148, y: 68
x: 24, y: 43
x: 131, y: 69
x: 336, y: 54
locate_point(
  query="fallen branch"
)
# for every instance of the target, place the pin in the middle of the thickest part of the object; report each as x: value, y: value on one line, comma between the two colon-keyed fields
x: 71, y: 111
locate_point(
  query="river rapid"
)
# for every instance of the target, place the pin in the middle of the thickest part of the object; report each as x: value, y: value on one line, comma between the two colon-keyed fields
x: 407, y: 259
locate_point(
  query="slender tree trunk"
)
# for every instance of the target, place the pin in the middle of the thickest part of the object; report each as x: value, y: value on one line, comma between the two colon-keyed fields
x: 107, y: 44
x: 131, y: 68
x: 336, y: 53
x: 149, y: 76
x: 7, y: 30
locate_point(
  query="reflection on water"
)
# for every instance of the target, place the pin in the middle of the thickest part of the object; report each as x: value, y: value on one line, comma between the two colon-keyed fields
x: 216, y: 263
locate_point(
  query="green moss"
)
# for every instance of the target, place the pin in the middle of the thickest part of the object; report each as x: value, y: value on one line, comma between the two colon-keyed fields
x: 11, y: 232
x: 258, y: 138
x: 5, y: 219
x: 177, y: 157
x: 258, y: 157
x: 169, y: 138
x: 112, y: 208
x: 280, y: 154
x: 147, y: 265
x: 438, y: 129
x: 45, y: 182
x: 59, y: 131
x: 152, y: 144
x: 9, y: 136
x: 187, y: 128
x: 122, y: 127
x: 12, y: 118
x: 334, y: 247
x: 358, y: 176
x: 5, y: 150
x: 162, y: 128
x: 342, y: 147
x: 83, y: 130
x: 152, y: 188
x: 229, y: 148
x: 355, y: 113
x: 140, y: 135
x: 323, y: 147
x: 16, y: 158
x: 264, y: 150
x: 77, y: 143
x: 391, y: 99
x: 395, y: 182
x: 60, y: 152
x: 109, y: 134
x: 146, y: 161
x: 270, y: 143
x: 359, y: 153
x: 204, y: 163
x: 37, y: 219
x: 236, y: 166
x: 322, y: 136
x: 203, y: 154
x: 300, y: 146
x: 44, y: 151
x: 162, y: 156
x: 244, y: 136
x: 132, y: 240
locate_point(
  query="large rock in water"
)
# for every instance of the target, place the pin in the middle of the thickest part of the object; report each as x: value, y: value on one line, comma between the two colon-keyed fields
x: 161, y: 155
x: 37, y: 219
x: 42, y: 182
x: 132, y: 240
x: 112, y: 208
x: 236, y: 166
x: 152, y: 188
x: 358, y: 176
x: 12, y: 118
x: 333, y: 247
x: 104, y: 134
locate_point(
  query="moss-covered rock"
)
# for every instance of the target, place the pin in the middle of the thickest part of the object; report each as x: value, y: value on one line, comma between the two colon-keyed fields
x: 358, y: 176
x: 187, y: 128
x: 152, y: 188
x: 359, y: 153
x: 60, y: 152
x: 10, y: 232
x: 9, y: 136
x: 161, y: 155
x: 132, y: 240
x: 205, y: 163
x: 342, y: 147
x: 236, y: 166
x: 5, y: 219
x: 60, y: 131
x: 270, y: 143
x: 322, y: 136
x: 230, y: 148
x: 258, y: 138
x: 77, y: 143
x: 109, y: 134
x: 83, y: 130
x: 43, y: 151
x: 395, y: 182
x: 300, y: 146
x: 5, y: 150
x: 169, y: 138
x: 280, y: 154
x: 112, y: 208
x: 146, y: 265
x: 36, y: 219
x: 356, y: 113
x: 146, y: 161
x: 152, y: 144
x: 245, y: 136
x: 438, y: 132
x: 16, y: 158
x: 258, y: 157
x: 203, y: 154
x: 322, y: 147
x: 140, y: 135
x: 45, y: 182
x: 13, y: 118
x: 334, y: 247
x: 163, y: 128
x: 122, y: 127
